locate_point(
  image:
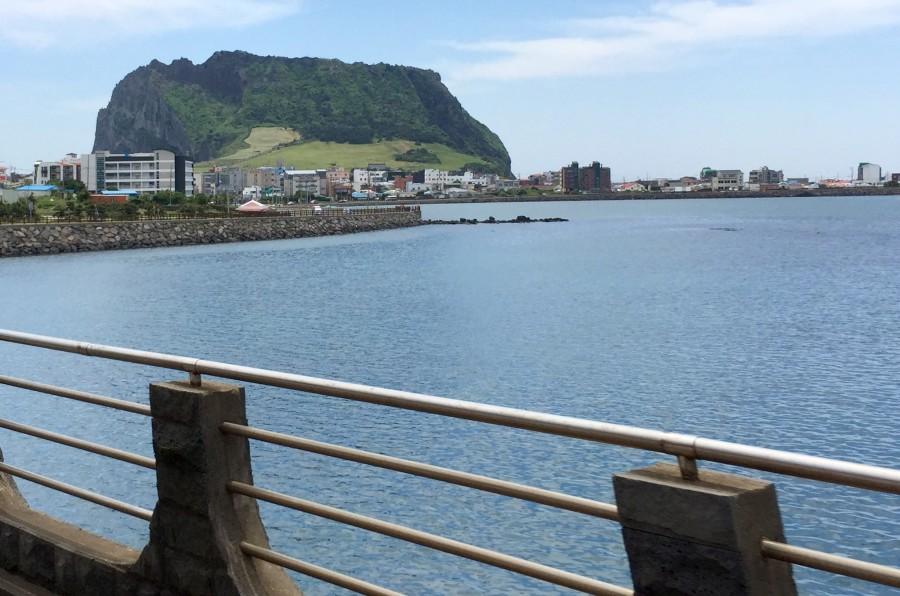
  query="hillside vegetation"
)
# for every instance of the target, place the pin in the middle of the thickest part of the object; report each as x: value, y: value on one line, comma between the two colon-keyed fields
x: 208, y: 110
x: 321, y: 154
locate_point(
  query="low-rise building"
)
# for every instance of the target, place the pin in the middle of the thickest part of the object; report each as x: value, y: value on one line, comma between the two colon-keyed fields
x: 727, y: 180
x: 795, y: 183
x: 401, y: 182
x: 251, y: 193
x: 12, y: 195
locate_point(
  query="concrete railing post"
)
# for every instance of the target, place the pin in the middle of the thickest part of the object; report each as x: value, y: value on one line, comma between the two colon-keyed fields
x: 197, y: 524
x: 700, y: 537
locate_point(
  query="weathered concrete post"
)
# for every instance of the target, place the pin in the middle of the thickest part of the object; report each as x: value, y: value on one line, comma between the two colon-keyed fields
x: 197, y: 524
x: 700, y: 537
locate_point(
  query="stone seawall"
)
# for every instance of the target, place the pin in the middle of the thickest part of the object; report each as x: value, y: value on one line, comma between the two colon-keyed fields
x: 42, y: 239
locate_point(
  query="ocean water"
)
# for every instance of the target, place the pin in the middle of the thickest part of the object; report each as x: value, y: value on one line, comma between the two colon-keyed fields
x: 774, y: 322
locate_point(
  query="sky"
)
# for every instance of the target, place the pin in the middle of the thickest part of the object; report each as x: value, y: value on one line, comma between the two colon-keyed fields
x: 649, y: 88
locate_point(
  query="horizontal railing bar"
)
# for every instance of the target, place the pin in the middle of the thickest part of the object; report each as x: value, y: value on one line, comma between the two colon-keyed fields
x: 872, y: 572
x: 771, y: 460
x: 126, y: 456
x: 484, y: 483
x: 454, y: 547
x: 90, y: 398
x: 326, y: 575
x: 138, y: 512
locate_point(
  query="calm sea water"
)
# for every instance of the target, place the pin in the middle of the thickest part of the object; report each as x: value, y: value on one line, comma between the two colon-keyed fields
x: 772, y: 322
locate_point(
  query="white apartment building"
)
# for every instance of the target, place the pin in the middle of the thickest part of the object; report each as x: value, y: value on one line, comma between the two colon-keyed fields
x: 146, y: 173
x: 868, y: 173
x: 68, y: 168
x: 437, y: 179
x: 470, y: 181
x: 365, y: 178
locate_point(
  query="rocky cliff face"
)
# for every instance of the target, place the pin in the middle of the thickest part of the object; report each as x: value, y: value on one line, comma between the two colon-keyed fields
x: 205, y: 110
x: 138, y: 118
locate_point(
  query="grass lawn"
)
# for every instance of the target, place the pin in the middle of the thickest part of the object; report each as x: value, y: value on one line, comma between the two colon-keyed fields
x: 320, y: 154
x: 263, y: 139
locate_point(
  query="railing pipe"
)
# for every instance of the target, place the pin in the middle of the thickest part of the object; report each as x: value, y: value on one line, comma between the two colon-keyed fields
x: 111, y: 452
x: 447, y: 545
x: 805, y: 466
x: 82, y: 396
x: 81, y: 493
x: 327, y: 575
x: 484, y: 483
x: 872, y: 572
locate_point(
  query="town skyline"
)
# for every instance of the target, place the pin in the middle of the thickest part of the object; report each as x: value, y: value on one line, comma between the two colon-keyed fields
x: 799, y: 86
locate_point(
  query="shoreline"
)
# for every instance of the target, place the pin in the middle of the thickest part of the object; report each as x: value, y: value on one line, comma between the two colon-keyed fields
x: 643, y: 196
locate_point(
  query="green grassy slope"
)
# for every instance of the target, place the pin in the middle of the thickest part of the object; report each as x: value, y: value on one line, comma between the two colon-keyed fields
x: 321, y: 154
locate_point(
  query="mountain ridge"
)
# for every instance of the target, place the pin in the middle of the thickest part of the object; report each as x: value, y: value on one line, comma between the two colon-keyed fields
x: 204, y: 110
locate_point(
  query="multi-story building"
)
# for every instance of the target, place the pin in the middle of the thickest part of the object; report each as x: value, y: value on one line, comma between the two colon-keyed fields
x: 596, y: 178
x: 306, y: 183
x: 569, y: 178
x: 593, y: 178
x: 764, y: 176
x: 366, y: 178
x: 145, y: 173
x: 868, y: 173
x: 336, y: 179
x: 3, y: 173
x: 727, y: 180
x: 895, y: 177
x: 436, y: 179
x: 221, y: 181
x: 68, y: 168
x: 265, y: 178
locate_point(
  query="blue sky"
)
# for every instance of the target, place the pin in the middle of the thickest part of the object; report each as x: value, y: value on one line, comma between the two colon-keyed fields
x: 649, y: 88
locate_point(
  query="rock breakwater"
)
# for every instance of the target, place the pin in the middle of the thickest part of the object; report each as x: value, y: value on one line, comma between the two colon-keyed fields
x: 41, y: 239
x: 490, y: 220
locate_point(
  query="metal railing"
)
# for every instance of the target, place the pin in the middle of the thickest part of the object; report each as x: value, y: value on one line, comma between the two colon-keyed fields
x: 688, y: 449
x: 89, y: 446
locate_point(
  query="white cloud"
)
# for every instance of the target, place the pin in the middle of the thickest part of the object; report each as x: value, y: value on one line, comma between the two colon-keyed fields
x: 44, y: 23
x: 669, y: 30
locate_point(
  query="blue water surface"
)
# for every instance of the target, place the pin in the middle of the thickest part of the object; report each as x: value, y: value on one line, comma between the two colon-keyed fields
x: 773, y: 322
